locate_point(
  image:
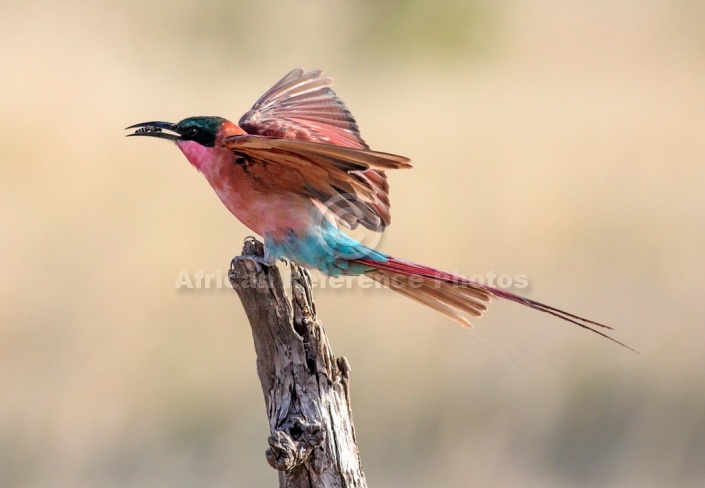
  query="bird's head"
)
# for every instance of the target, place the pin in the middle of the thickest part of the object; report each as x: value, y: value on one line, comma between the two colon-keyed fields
x: 203, y: 130
x: 197, y: 137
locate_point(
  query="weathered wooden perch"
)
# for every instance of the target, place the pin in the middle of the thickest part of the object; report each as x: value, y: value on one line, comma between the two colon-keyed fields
x: 312, y: 441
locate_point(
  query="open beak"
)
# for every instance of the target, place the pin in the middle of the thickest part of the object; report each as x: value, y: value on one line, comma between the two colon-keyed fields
x: 154, y: 129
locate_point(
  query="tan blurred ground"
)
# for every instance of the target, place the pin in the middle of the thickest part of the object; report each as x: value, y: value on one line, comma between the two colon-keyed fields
x: 560, y: 140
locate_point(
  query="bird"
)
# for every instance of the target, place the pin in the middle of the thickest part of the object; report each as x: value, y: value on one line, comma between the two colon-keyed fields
x: 295, y: 169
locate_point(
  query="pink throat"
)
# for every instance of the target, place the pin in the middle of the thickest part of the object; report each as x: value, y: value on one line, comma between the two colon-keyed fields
x: 202, y: 158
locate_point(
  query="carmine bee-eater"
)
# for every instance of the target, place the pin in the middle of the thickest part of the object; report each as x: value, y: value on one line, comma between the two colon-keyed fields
x: 294, y: 167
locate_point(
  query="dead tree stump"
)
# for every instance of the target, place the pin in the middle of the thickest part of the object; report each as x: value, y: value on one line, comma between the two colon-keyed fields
x: 312, y: 441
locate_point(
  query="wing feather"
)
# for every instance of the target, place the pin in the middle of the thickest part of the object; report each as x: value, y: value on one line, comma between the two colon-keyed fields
x: 331, y: 175
x: 302, y: 106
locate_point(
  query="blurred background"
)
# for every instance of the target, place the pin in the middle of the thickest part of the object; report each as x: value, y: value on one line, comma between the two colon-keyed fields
x: 564, y: 141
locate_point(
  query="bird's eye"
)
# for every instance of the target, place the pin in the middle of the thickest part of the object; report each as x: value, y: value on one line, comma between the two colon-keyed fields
x: 192, y: 132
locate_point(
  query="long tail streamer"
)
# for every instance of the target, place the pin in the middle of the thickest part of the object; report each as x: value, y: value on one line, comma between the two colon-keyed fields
x: 455, y: 297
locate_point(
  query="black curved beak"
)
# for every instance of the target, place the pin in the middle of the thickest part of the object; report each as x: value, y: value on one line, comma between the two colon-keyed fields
x: 154, y: 129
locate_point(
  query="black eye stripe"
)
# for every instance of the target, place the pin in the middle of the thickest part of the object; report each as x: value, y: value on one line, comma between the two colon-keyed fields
x: 197, y: 134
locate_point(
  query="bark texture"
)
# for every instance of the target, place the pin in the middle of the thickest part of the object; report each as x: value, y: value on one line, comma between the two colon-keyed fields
x: 312, y: 441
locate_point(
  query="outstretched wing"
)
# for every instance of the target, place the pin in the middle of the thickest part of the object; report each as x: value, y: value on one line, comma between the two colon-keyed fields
x: 303, y: 106
x: 331, y: 175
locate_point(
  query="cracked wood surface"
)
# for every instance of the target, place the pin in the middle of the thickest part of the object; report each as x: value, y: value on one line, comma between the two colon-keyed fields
x: 312, y: 441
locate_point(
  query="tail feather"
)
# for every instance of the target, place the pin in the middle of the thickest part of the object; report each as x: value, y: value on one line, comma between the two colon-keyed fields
x: 440, y: 298
x: 456, y: 297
